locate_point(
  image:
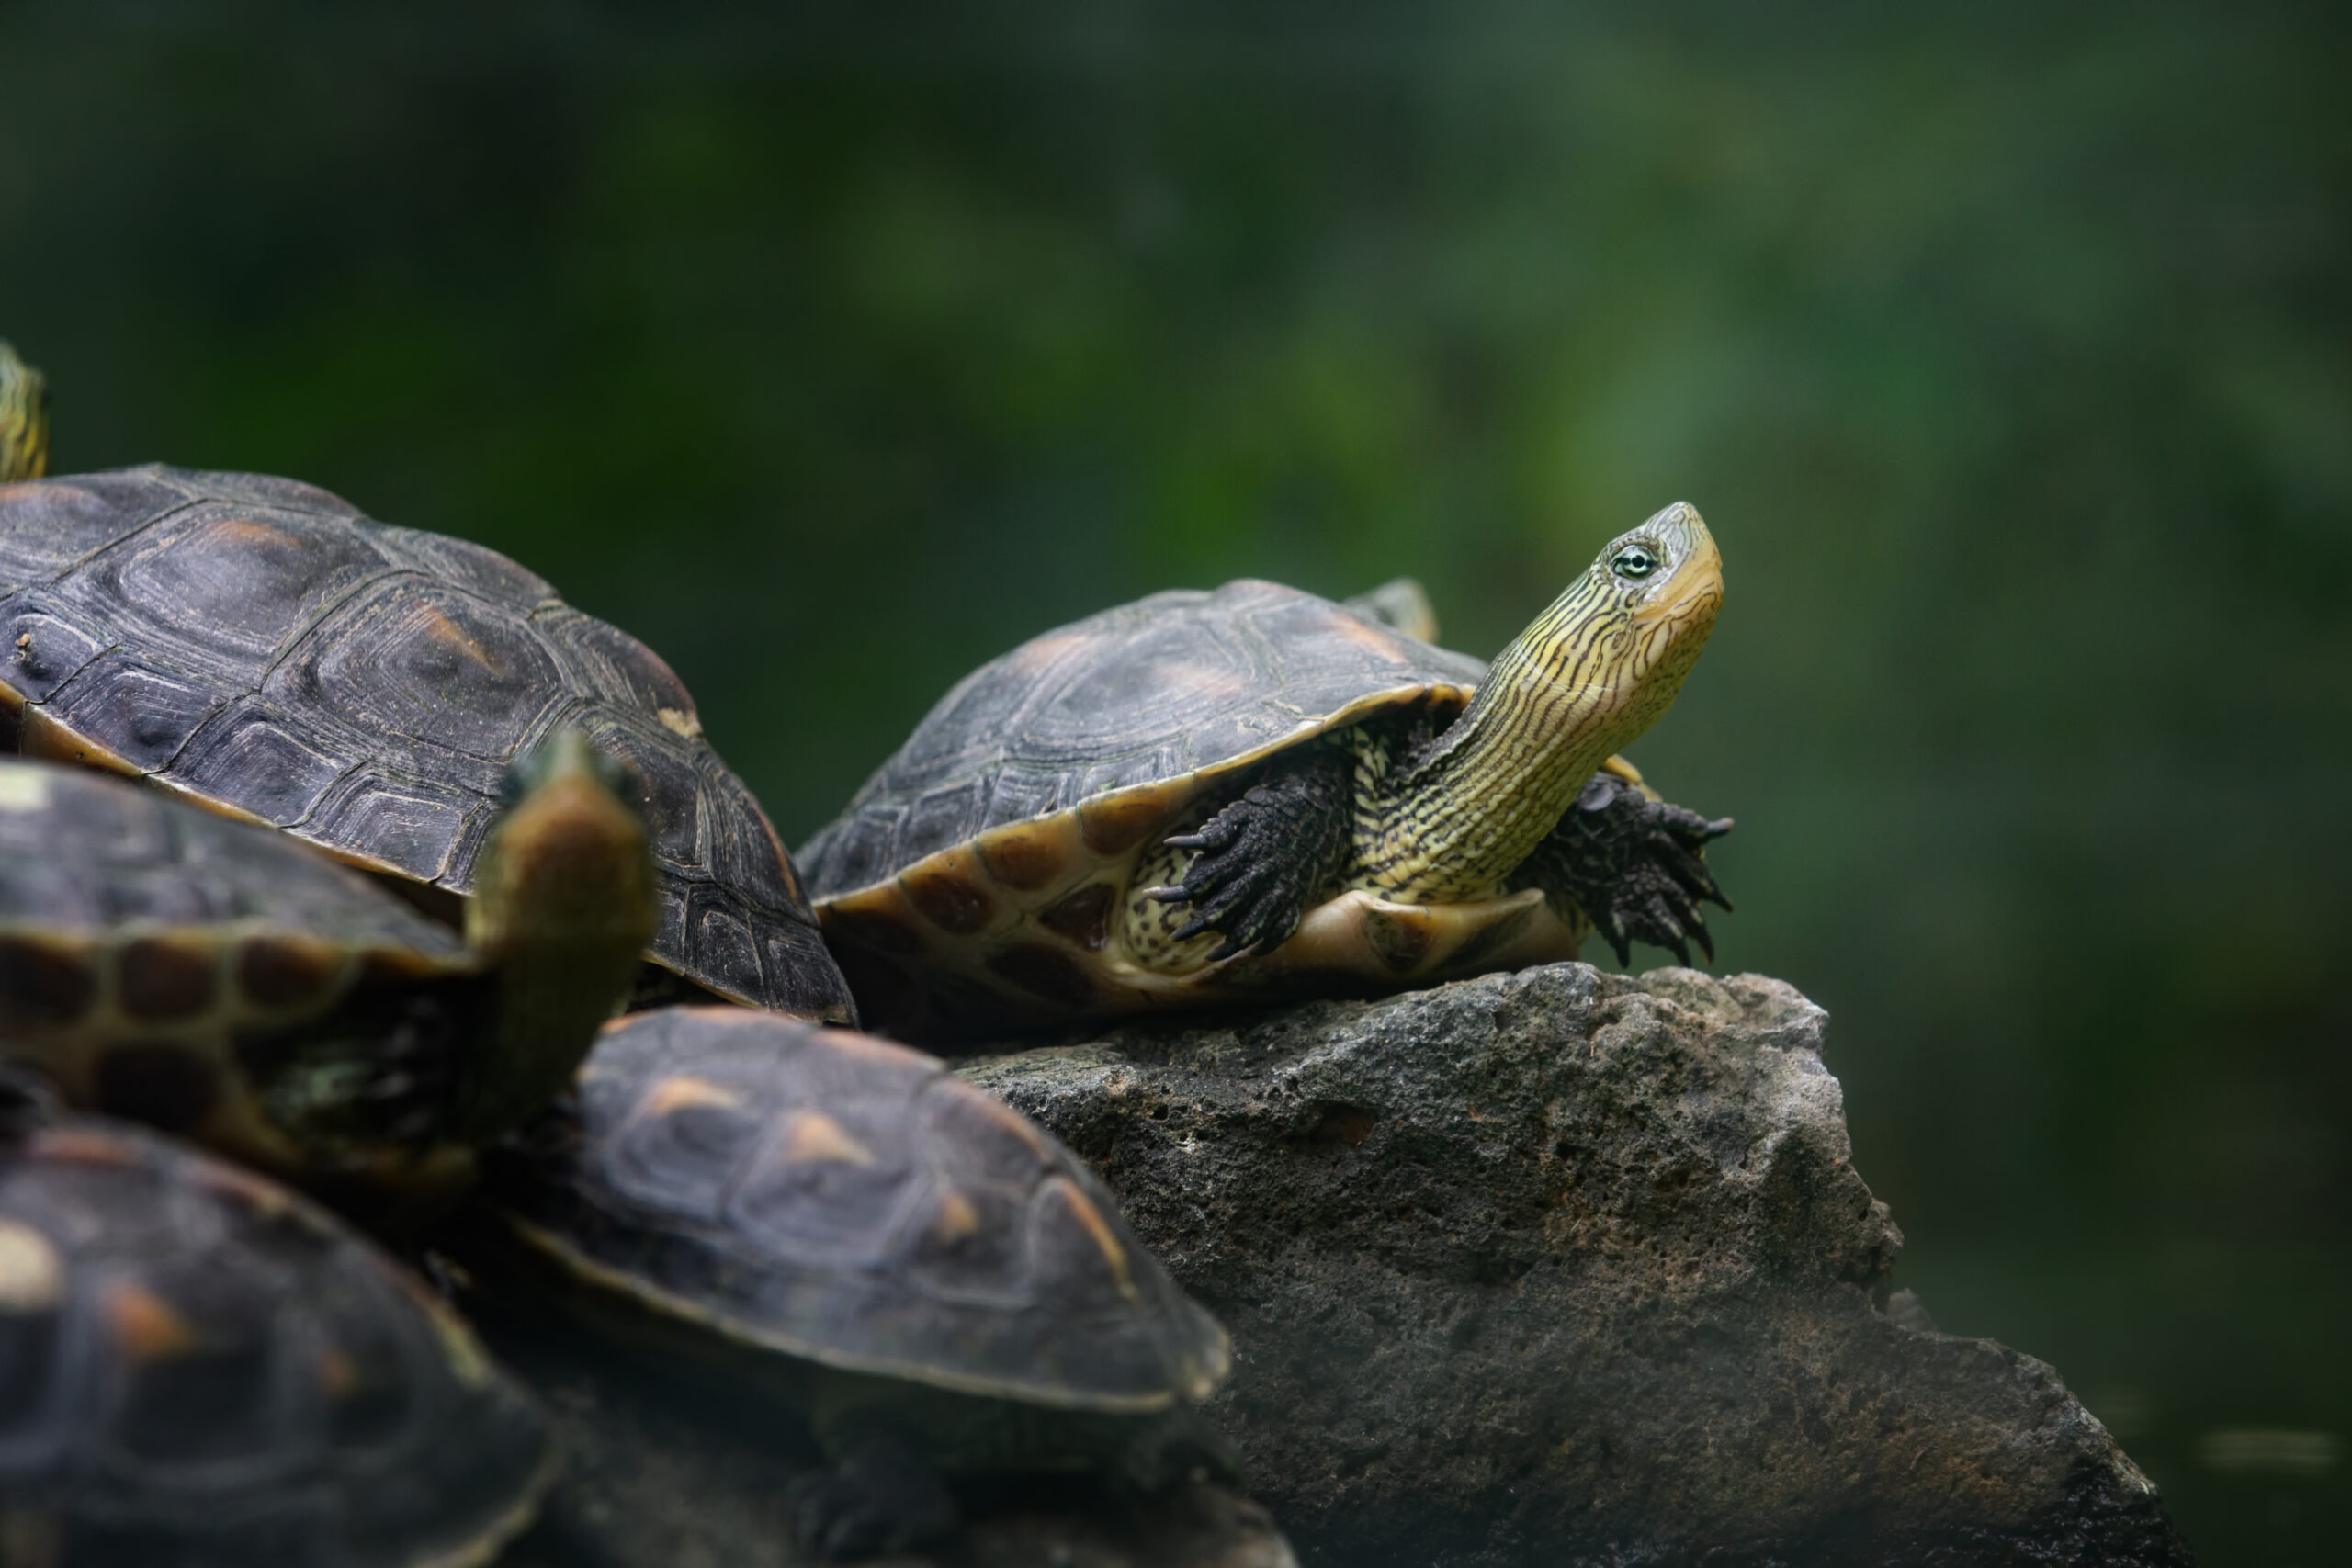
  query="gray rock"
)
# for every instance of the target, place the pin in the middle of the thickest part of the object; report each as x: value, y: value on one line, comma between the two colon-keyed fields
x: 1562, y: 1267
x: 670, y: 1464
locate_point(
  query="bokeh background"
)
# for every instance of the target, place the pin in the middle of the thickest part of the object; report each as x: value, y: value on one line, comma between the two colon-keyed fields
x: 835, y: 348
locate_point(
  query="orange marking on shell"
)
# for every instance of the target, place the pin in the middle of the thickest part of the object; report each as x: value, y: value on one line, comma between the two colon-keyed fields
x: 1039, y: 652
x: 1083, y: 1210
x: 338, y: 1374
x: 248, y: 533
x: 77, y: 1147
x: 677, y: 1093
x: 816, y: 1138
x: 1375, y: 639
x: 957, y: 1221
x: 147, y: 1327
x: 450, y: 633
x: 1010, y: 1121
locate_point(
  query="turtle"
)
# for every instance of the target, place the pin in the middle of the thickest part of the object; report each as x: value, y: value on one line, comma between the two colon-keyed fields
x: 222, y: 980
x: 937, y: 1283
x: 258, y: 646
x: 1209, y: 797
x: 199, y: 1369
x: 24, y: 418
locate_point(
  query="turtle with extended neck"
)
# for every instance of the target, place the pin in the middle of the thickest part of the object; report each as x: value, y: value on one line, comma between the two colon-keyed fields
x: 222, y: 981
x: 1205, y: 798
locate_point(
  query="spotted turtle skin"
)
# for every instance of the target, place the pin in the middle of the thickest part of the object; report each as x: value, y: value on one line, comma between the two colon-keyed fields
x: 199, y: 1369
x: 257, y: 645
x: 847, y: 1202
x: 972, y: 880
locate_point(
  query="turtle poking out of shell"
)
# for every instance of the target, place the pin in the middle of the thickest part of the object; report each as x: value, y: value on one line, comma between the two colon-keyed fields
x: 1205, y: 798
x: 223, y: 981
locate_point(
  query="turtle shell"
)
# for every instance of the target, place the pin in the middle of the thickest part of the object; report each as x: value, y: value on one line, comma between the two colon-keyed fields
x: 837, y: 1198
x: 151, y: 955
x: 199, y: 1369
x: 971, y: 882
x: 258, y: 646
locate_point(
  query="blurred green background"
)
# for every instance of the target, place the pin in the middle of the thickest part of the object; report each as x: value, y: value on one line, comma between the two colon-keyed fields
x: 833, y: 349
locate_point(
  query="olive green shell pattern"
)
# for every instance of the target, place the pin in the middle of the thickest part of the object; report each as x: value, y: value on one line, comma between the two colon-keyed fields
x: 146, y: 947
x: 257, y: 645
x: 199, y: 1369
x: 838, y: 1198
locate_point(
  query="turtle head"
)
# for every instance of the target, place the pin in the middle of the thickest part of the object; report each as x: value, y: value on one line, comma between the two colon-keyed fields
x: 564, y: 902
x: 1591, y: 672
x: 24, y: 418
x: 1613, y: 650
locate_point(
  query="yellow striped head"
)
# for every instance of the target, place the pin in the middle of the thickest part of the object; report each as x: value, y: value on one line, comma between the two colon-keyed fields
x: 1611, y: 652
x: 24, y: 418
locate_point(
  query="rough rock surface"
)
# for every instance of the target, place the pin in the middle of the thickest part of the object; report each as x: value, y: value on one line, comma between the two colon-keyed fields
x: 669, y: 1467
x: 1568, y: 1268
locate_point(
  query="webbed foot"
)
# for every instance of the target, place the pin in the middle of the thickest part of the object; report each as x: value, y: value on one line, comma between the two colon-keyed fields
x: 879, y: 1496
x: 1633, y: 863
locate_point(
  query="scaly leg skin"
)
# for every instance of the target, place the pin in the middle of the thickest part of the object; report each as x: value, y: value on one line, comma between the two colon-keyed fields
x: 879, y: 1496
x: 1264, y: 858
x: 1631, y: 863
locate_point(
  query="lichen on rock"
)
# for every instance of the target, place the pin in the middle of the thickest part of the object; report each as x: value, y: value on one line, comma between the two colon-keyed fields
x: 1562, y: 1267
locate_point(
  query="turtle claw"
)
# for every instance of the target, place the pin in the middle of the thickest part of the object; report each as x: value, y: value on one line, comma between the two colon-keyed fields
x: 1634, y: 866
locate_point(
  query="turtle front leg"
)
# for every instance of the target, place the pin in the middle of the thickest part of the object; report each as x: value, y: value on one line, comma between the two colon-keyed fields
x: 1631, y: 863
x: 1256, y: 865
x: 879, y: 1495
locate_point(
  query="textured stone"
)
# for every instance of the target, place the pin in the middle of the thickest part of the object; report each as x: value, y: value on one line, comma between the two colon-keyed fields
x: 673, y: 1465
x: 1560, y: 1267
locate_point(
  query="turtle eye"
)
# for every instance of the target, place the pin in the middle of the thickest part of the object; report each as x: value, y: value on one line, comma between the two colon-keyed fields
x: 1633, y: 562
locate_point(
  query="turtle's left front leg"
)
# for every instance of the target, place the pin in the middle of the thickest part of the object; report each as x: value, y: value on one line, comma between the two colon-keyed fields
x: 1631, y: 863
x: 1259, y: 862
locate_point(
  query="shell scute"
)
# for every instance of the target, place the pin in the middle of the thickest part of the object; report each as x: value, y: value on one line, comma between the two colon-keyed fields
x: 277, y: 655
x: 249, y: 1368
x: 861, y: 1208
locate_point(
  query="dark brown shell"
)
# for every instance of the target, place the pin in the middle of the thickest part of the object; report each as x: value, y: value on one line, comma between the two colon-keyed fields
x: 258, y: 645
x: 835, y: 1197
x: 199, y: 1369
x: 1180, y: 684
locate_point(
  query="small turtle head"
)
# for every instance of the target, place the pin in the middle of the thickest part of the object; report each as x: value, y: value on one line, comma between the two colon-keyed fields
x: 1608, y: 655
x: 24, y: 418
x: 564, y: 900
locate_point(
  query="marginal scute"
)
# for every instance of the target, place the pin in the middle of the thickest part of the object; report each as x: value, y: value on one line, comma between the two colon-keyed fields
x: 284, y: 970
x: 1024, y: 858
x: 949, y: 899
x: 1113, y: 826
x: 163, y: 979
x: 1083, y: 918
x: 44, y: 984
